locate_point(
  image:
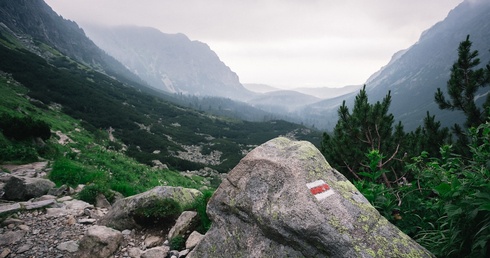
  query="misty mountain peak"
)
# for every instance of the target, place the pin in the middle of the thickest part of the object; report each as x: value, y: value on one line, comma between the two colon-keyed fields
x: 169, y: 62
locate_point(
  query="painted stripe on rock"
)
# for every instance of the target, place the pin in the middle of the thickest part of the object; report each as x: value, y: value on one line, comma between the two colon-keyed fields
x: 320, y: 189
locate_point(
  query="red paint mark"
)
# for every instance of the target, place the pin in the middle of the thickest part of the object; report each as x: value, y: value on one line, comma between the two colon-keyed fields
x: 319, y: 189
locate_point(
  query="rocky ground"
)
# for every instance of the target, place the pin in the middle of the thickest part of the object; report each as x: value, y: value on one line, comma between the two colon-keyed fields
x: 47, y: 232
x: 51, y: 226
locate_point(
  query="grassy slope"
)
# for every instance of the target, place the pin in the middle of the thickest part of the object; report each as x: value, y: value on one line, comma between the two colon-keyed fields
x: 88, y: 153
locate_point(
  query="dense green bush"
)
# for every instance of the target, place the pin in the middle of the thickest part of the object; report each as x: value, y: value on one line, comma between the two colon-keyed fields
x: 446, y: 206
x: 23, y: 128
x: 462, y: 201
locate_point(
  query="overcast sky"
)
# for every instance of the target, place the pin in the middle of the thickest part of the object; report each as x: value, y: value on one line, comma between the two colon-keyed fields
x: 282, y: 43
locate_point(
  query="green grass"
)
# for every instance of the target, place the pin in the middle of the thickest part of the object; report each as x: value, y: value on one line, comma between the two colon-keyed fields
x: 89, y: 158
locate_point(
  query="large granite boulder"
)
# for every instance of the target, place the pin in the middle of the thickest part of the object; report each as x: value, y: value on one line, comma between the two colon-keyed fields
x: 122, y: 214
x: 19, y: 188
x: 284, y: 200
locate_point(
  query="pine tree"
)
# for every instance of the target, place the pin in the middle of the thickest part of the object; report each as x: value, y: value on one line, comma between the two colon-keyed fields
x: 428, y: 137
x: 369, y: 127
x: 463, y: 85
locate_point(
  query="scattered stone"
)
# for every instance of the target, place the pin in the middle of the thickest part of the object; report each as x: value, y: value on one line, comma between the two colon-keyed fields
x: 56, y: 212
x: 284, y: 200
x: 77, y: 205
x: 152, y: 241
x: 5, y: 253
x: 8, y: 221
x: 184, y: 223
x: 61, y: 191
x: 23, y: 248
x: 36, y: 169
x: 135, y: 252
x: 156, y: 252
x: 183, y: 253
x: 126, y: 232
x: 11, y: 237
x: 9, y: 208
x: 157, y: 164
x: 70, y: 246
x: 45, y: 197
x: 23, y: 227
x: 99, y: 241
x: 37, y: 205
x: 71, y: 220
x: 78, y: 189
x: 102, y: 202
x: 194, y: 239
x: 87, y: 221
x: 65, y: 198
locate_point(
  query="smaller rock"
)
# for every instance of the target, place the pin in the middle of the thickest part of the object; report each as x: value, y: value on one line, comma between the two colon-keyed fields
x: 173, y: 253
x: 102, y: 202
x: 155, y: 252
x: 70, y: 220
x: 152, y: 241
x: 24, y: 227
x: 5, y: 253
x: 56, y: 212
x: 12, y: 221
x: 99, y: 241
x: 65, y: 198
x: 45, y: 197
x: 77, y: 205
x: 126, y: 232
x: 70, y: 246
x: 9, y: 208
x: 78, y: 189
x: 86, y: 221
x: 23, y: 248
x: 193, y: 240
x: 134, y: 252
x: 183, y: 253
x: 62, y: 190
x: 37, y: 205
x: 11, y: 237
x: 184, y: 223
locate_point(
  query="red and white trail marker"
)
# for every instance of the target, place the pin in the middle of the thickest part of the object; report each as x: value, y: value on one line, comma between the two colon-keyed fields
x: 320, y: 189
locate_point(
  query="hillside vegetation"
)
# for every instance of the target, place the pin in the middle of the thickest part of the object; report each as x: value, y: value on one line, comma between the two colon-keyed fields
x: 149, y: 127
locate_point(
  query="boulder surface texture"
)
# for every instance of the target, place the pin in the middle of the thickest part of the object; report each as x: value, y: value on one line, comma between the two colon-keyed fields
x: 284, y: 200
x: 19, y: 188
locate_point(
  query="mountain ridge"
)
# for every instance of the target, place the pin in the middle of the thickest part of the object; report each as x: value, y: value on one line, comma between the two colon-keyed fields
x: 414, y: 74
x: 169, y: 62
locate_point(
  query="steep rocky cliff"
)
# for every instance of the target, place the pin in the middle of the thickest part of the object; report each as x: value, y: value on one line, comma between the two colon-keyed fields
x: 36, y: 23
x: 170, y: 62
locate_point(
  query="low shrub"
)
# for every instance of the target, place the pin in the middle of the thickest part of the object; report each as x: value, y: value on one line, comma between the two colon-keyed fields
x: 177, y: 243
x: 23, y: 128
x: 90, y: 193
x: 69, y: 172
x: 158, y: 211
x: 200, y: 206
